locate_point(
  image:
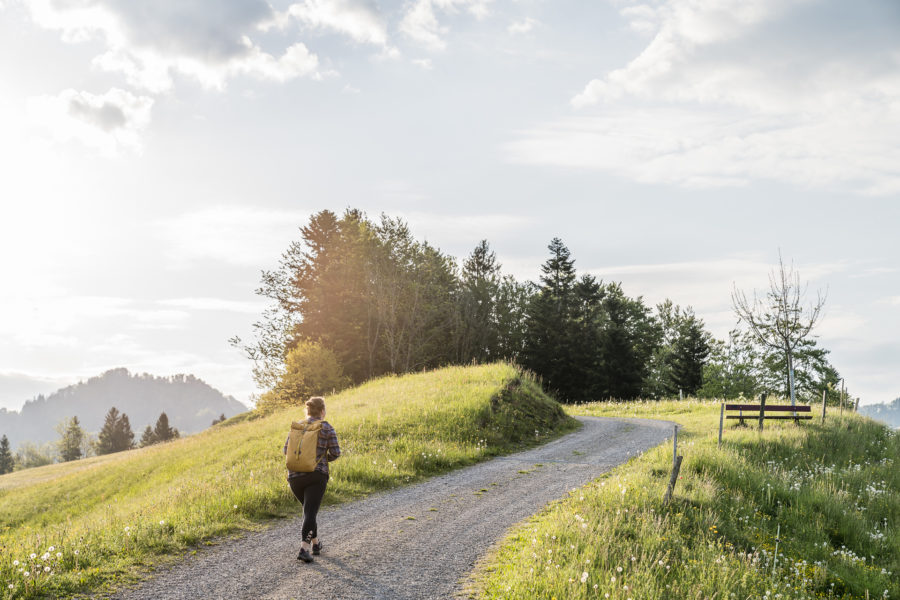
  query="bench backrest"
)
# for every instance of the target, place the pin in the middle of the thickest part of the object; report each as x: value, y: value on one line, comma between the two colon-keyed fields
x: 769, y: 407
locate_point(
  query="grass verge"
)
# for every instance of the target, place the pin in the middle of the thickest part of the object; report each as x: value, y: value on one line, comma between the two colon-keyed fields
x: 86, y: 526
x: 832, y: 491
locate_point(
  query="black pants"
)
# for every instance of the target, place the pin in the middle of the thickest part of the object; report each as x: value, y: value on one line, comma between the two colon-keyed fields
x: 309, y: 488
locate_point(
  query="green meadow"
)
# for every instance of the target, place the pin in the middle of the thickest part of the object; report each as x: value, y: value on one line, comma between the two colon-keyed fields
x: 92, y: 524
x: 793, y: 512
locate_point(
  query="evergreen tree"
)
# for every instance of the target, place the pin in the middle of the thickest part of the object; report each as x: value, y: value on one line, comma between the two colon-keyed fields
x: 549, y: 323
x: 162, y: 431
x: 513, y: 300
x: 629, y: 338
x: 222, y: 418
x: 477, y: 336
x: 6, y: 458
x: 116, y: 434
x: 71, y: 439
x: 587, y: 351
x: 125, y: 434
x: 690, y: 352
x: 148, y: 438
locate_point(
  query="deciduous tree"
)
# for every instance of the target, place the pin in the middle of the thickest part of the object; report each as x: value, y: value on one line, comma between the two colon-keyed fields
x: 780, y: 319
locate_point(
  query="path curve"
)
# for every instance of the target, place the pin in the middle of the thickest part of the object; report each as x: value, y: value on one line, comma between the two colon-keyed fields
x: 414, y: 543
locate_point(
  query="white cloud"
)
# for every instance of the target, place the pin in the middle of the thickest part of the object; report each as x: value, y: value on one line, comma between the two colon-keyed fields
x: 522, y: 26
x: 106, y: 122
x: 148, y: 42
x: 216, y: 304
x: 234, y: 235
x: 358, y: 19
x: 716, y: 99
x: 449, y: 230
x: 421, y: 24
x: 425, y: 63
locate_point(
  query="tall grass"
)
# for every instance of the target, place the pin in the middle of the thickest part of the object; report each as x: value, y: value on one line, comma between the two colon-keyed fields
x: 78, y: 527
x: 832, y: 491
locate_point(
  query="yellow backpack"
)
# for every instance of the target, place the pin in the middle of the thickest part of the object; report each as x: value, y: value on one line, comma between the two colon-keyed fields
x: 302, y: 443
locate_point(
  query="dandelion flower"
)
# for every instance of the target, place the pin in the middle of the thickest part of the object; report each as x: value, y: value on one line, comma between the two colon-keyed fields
x: 584, y: 577
x: 162, y: 522
x: 10, y: 586
x: 76, y: 553
x: 235, y: 505
x: 59, y: 555
x: 127, y: 529
x: 45, y: 556
x: 26, y: 573
x: 51, y: 549
x: 15, y: 563
x: 619, y: 569
x: 33, y: 556
x: 46, y: 569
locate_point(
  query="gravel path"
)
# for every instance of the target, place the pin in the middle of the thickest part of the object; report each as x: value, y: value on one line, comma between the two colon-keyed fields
x: 413, y: 543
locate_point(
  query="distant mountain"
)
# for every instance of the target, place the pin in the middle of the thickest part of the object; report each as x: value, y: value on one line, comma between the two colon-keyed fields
x: 888, y: 413
x: 189, y: 402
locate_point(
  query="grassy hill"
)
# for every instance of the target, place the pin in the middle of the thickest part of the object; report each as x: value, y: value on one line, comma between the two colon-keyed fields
x: 827, y: 496
x: 81, y: 526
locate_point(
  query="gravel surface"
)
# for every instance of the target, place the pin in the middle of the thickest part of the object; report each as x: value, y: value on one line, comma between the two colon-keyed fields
x: 412, y: 543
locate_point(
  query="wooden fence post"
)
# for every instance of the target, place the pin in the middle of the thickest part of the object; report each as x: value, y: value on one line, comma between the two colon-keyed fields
x: 842, y: 397
x: 824, y: 392
x: 762, y: 410
x: 675, y: 469
x: 674, y: 446
x: 721, y: 421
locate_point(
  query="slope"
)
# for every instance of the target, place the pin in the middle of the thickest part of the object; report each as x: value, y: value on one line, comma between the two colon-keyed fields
x: 104, y: 517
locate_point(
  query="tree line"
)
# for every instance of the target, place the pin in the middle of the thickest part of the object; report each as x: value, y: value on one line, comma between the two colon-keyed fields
x: 75, y: 443
x: 355, y: 298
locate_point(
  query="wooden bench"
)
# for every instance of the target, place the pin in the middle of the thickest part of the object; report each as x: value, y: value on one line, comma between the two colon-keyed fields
x: 766, y: 409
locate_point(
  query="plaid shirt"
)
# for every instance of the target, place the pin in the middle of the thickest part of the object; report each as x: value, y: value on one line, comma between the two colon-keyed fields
x: 327, y: 449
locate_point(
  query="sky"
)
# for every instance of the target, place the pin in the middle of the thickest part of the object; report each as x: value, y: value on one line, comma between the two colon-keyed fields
x: 157, y: 155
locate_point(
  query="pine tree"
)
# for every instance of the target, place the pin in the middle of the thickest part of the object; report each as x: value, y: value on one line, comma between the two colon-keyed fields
x: 477, y: 336
x: 629, y: 338
x: 548, y: 348
x: 162, y: 432
x: 72, y: 436
x: 148, y: 438
x: 221, y: 419
x: 689, y: 353
x: 6, y: 458
x: 125, y: 434
x: 116, y: 434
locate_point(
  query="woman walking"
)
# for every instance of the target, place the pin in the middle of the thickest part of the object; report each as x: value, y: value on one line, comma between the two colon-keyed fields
x: 309, y: 488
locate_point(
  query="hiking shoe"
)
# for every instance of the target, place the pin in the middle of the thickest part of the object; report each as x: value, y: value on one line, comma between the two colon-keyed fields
x: 304, y: 556
x: 317, y: 548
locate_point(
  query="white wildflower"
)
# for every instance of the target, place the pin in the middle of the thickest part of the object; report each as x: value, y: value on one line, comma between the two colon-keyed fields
x: 584, y: 577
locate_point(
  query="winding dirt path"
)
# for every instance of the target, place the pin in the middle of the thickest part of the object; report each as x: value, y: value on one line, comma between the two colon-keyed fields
x: 412, y: 543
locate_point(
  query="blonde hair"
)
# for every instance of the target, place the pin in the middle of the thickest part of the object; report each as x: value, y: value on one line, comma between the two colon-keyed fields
x: 315, y: 406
